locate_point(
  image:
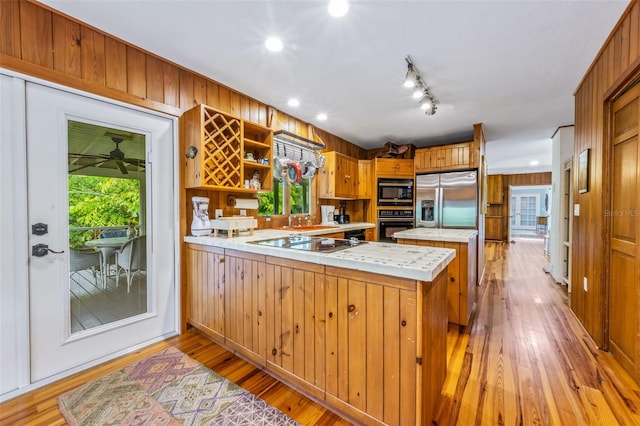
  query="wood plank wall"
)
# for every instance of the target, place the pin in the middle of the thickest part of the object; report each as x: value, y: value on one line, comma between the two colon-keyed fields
x: 614, y: 68
x: 39, y: 41
x: 502, y: 210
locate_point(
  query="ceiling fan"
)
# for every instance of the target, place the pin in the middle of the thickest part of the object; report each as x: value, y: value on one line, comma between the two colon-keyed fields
x: 117, y: 156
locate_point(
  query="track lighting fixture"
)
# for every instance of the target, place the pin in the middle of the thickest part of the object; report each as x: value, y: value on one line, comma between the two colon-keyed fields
x: 414, y: 81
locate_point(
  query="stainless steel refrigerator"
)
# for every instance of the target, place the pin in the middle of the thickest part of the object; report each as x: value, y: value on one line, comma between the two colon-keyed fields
x: 447, y: 200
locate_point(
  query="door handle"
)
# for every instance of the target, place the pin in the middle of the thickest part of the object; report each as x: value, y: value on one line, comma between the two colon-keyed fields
x: 40, y: 250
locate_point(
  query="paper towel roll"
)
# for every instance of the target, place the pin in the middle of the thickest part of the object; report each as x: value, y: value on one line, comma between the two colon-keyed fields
x: 246, y: 203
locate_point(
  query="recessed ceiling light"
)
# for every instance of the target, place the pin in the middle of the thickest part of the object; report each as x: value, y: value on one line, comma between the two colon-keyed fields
x: 322, y: 116
x: 293, y: 102
x: 273, y: 44
x: 338, y: 8
x: 534, y: 162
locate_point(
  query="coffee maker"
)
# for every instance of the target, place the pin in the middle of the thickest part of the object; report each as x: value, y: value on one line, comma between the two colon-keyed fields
x: 201, y: 225
x: 327, y: 215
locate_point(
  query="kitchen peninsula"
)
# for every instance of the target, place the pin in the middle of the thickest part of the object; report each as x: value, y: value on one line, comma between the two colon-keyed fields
x: 361, y: 330
x: 462, y: 271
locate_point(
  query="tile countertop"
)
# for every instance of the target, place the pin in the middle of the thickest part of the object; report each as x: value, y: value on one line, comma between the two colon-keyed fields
x: 405, y: 261
x: 438, y: 234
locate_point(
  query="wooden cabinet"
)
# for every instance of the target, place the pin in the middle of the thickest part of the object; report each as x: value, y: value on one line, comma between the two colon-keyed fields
x: 370, y: 346
x: 245, y: 305
x: 495, y: 194
x: 215, y: 146
x: 366, y: 179
x: 493, y: 228
x: 257, y: 141
x: 205, y: 292
x: 391, y: 167
x: 444, y: 158
x: 295, y: 330
x: 338, y: 178
x: 462, y: 277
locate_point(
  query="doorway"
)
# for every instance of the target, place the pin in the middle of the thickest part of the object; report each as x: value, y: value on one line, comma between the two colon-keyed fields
x: 529, y: 211
x: 97, y: 172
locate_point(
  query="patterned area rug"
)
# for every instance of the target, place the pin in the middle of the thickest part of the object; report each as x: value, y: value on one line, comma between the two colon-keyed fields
x: 168, y: 388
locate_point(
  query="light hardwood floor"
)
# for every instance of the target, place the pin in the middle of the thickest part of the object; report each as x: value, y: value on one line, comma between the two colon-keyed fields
x: 524, y: 360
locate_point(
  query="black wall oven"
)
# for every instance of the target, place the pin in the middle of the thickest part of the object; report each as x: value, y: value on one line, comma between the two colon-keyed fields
x: 392, y: 221
x: 395, y: 192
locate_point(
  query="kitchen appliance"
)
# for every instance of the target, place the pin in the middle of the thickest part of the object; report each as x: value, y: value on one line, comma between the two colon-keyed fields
x: 310, y: 243
x: 326, y: 213
x: 395, y: 192
x: 391, y: 221
x: 341, y: 217
x: 200, y: 225
x: 447, y: 200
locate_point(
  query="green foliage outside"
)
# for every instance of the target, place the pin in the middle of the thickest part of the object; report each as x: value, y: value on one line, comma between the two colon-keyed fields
x: 98, y: 201
x: 298, y: 198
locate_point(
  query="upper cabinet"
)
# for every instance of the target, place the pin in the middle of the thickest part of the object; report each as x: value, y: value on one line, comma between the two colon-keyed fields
x: 494, y: 189
x: 339, y: 177
x: 392, y: 167
x: 457, y: 156
x: 365, y: 179
x: 222, y: 151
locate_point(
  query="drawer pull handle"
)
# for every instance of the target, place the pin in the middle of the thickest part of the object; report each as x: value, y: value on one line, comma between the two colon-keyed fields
x: 404, y: 323
x: 351, y: 308
x: 274, y: 352
x: 221, y: 260
x: 330, y: 314
x: 452, y: 279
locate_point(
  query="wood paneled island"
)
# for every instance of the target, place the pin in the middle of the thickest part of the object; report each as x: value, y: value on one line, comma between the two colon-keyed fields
x: 462, y: 271
x: 362, y: 330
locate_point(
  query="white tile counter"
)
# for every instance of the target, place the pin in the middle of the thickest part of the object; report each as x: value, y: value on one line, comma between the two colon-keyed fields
x: 437, y: 234
x: 405, y: 261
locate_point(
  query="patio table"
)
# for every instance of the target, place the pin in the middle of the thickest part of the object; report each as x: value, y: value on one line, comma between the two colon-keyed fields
x: 107, y: 247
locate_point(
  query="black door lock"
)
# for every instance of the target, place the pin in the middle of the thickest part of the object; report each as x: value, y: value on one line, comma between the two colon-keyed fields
x: 40, y: 250
x: 39, y: 229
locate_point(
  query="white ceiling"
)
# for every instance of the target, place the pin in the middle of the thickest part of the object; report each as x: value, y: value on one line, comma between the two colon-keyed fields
x: 512, y: 65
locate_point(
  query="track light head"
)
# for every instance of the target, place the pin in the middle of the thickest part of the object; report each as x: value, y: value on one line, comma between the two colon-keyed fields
x: 410, y: 78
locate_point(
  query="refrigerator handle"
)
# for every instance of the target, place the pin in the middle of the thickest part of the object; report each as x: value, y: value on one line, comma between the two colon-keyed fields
x: 438, y: 207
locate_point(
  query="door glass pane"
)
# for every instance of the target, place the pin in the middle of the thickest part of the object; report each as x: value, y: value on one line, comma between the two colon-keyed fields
x: 107, y: 243
x: 528, y: 211
x: 513, y: 211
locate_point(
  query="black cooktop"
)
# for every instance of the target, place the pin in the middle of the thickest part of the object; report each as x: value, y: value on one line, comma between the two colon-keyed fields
x: 310, y: 243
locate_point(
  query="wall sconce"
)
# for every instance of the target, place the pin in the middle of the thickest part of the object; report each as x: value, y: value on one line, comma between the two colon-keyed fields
x: 413, y: 80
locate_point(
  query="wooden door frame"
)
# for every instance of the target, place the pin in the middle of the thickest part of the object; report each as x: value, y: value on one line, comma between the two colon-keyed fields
x: 622, y: 85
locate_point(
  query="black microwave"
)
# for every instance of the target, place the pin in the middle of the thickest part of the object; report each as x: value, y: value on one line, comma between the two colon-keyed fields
x: 395, y: 192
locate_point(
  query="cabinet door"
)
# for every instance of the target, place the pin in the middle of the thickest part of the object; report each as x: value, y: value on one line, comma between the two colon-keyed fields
x: 454, y: 157
x: 346, y: 177
x: 404, y: 168
x: 429, y: 161
x: 245, y: 304
x: 391, y: 167
x: 365, y: 179
x: 371, y: 322
x: 494, y: 189
x: 205, y: 290
x: 295, y: 321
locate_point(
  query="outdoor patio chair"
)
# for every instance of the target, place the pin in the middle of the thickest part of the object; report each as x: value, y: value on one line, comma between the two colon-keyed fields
x: 110, y: 254
x: 132, y: 258
x: 83, y: 259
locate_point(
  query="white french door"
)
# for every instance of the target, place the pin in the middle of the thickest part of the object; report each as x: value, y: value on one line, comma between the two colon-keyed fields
x: 56, y: 347
x: 524, y: 211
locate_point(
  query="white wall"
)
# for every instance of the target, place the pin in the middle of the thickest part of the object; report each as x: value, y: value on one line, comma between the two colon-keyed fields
x: 562, y: 145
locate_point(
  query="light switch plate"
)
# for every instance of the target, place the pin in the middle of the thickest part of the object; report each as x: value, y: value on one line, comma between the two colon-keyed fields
x: 576, y: 209
x: 584, y: 283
